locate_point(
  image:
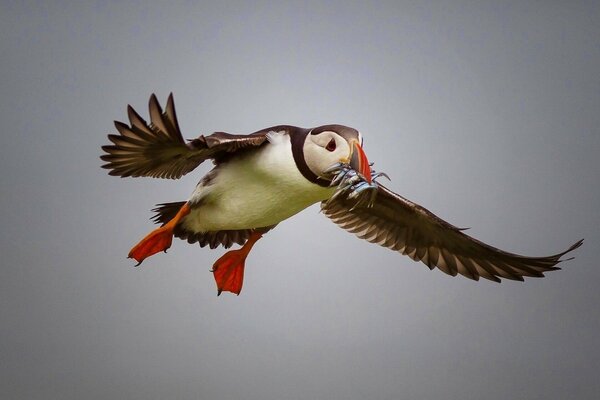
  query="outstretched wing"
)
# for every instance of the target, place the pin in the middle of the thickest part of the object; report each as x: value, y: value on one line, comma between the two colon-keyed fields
x: 410, y: 229
x: 159, y: 150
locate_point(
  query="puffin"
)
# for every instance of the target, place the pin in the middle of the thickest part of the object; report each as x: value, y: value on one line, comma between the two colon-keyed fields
x: 265, y: 177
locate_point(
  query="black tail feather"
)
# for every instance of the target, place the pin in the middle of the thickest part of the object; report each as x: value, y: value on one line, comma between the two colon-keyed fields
x: 166, y: 212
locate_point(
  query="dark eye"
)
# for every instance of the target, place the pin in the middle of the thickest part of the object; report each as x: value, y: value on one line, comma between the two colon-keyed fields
x: 331, y: 145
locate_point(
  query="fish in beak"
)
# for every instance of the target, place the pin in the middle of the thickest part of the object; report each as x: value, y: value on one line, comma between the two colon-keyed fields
x: 359, y: 161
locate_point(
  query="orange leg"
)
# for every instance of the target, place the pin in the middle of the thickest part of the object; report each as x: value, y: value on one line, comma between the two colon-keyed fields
x: 159, y: 239
x: 229, y: 269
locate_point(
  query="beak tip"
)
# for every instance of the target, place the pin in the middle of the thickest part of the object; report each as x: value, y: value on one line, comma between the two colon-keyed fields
x: 360, y: 162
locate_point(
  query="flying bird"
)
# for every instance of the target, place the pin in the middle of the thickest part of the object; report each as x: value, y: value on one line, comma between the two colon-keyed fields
x: 263, y: 178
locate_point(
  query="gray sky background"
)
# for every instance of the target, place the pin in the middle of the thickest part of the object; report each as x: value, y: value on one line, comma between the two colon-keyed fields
x: 488, y: 114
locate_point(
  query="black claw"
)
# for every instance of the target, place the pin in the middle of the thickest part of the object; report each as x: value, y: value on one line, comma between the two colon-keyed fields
x: 136, y: 265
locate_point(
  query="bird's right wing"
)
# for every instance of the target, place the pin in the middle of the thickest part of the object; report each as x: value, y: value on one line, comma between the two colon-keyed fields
x: 158, y: 149
x: 406, y: 227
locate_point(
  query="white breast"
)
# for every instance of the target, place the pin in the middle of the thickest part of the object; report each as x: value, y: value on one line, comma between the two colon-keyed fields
x: 258, y: 189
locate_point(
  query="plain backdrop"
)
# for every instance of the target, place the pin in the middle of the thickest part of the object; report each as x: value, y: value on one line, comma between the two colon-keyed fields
x: 486, y: 113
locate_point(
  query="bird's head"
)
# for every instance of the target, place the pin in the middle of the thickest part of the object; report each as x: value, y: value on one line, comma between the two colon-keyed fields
x: 329, y: 145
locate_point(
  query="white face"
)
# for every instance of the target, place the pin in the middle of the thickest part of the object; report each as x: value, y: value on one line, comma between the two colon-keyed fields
x: 323, y: 150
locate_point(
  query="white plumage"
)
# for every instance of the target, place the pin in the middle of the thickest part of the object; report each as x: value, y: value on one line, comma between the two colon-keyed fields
x: 258, y: 189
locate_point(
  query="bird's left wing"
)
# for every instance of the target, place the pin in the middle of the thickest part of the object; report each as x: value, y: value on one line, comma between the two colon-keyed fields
x: 401, y: 225
x: 157, y: 149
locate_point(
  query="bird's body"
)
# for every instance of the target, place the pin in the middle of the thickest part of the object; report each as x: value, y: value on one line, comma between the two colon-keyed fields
x: 259, y: 189
x: 265, y: 177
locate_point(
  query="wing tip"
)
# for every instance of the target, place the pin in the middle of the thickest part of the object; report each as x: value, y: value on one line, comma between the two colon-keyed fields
x: 574, y: 246
x: 153, y: 103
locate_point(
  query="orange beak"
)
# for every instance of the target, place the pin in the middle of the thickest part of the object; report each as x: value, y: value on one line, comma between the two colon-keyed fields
x: 359, y: 161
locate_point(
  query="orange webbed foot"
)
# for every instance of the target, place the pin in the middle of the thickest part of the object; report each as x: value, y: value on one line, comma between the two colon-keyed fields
x: 229, y: 272
x: 156, y: 241
x: 229, y: 269
x: 159, y: 239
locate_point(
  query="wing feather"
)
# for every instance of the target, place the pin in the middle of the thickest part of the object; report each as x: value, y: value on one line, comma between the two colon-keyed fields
x: 401, y: 225
x: 157, y: 149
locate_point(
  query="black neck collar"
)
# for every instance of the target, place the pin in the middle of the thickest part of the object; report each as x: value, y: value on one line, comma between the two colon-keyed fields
x: 297, y: 139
